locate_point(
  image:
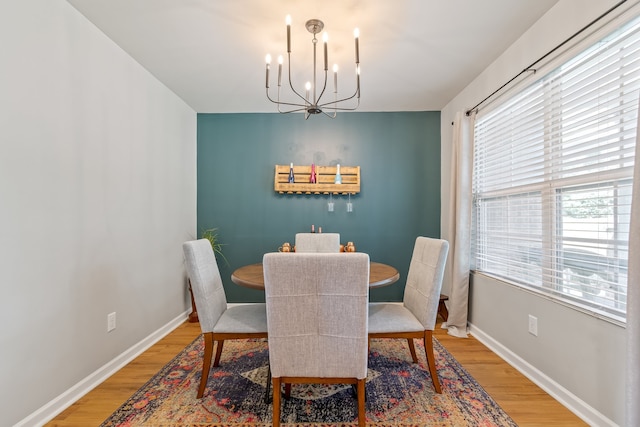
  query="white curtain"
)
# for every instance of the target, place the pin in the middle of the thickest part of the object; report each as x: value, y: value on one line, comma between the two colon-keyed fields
x: 459, y: 230
x: 633, y: 300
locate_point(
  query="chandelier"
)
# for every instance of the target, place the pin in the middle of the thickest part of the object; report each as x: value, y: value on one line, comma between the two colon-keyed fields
x: 312, y: 102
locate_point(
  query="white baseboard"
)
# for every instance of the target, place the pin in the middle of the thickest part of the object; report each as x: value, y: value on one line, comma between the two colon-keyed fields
x: 48, y: 411
x: 576, y: 405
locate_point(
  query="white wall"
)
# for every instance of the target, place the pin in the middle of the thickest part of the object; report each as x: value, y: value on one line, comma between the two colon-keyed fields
x: 97, y: 194
x: 578, y: 358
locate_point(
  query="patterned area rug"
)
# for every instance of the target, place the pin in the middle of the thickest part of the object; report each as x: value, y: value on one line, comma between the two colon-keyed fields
x: 398, y: 392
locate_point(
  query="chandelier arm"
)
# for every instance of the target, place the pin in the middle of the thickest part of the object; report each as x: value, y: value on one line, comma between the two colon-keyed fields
x: 291, y: 84
x: 345, y: 109
x: 336, y: 108
x: 285, y: 103
x: 335, y: 111
x: 303, y: 107
x: 323, y: 89
x: 300, y: 107
x: 291, y: 111
x: 357, y: 92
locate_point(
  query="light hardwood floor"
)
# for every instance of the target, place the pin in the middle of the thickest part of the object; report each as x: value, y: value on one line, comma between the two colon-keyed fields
x: 525, y: 402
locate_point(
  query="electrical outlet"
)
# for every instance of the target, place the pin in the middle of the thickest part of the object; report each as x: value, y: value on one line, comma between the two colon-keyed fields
x: 533, y: 325
x: 111, y: 321
x: 330, y: 206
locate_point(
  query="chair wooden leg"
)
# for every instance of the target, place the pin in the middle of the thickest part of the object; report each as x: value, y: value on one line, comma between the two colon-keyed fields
x: 216, y: 362
x: 442, y: 307
x: 412, y: 349
x: 276, y: 402
x: 361, y: 398
x: 431, y: 360
x: 206, y: 363
x: 287, y: 390
x: 267, y: 394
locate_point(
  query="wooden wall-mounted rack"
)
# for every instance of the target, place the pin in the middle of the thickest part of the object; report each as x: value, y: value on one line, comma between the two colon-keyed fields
x: 325, y: 176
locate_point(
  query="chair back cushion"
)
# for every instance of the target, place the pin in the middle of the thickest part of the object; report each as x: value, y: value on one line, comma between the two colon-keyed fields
x: 206, y: 283
x: 424, y: 279
x: 317, y: 314
x: 318, y: 242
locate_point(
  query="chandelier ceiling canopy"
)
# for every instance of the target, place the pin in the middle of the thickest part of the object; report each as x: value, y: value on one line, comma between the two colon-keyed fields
x: 312, y: 102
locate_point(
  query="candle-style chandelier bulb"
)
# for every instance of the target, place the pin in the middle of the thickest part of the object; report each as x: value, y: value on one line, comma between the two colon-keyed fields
x: 312, y: 102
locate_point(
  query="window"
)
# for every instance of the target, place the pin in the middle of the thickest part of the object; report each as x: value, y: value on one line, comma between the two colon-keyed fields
x: 552, y: 179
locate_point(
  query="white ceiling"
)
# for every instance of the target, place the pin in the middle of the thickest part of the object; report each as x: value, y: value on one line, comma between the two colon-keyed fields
x: 415, y: 55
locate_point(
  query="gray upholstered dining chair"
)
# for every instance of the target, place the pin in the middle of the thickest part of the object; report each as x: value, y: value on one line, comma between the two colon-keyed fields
x: 318, y: 242
x: 416, y: 316
x: 317, y: 321
x: 217, y: 321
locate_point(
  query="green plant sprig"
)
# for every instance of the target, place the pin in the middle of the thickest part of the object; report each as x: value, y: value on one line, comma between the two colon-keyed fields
x: 211, y: 234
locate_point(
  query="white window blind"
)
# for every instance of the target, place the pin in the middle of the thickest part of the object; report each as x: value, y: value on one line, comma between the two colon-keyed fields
x: 552, y: 178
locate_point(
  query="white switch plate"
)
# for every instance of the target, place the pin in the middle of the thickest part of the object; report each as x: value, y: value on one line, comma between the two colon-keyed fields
x: 533, y: 325
x: 111, y: 321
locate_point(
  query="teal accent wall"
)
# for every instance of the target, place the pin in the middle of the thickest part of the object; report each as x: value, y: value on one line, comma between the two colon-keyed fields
x: 399, y: 157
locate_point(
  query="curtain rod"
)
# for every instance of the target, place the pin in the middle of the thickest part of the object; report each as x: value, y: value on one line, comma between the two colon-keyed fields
x: 530, y: 67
